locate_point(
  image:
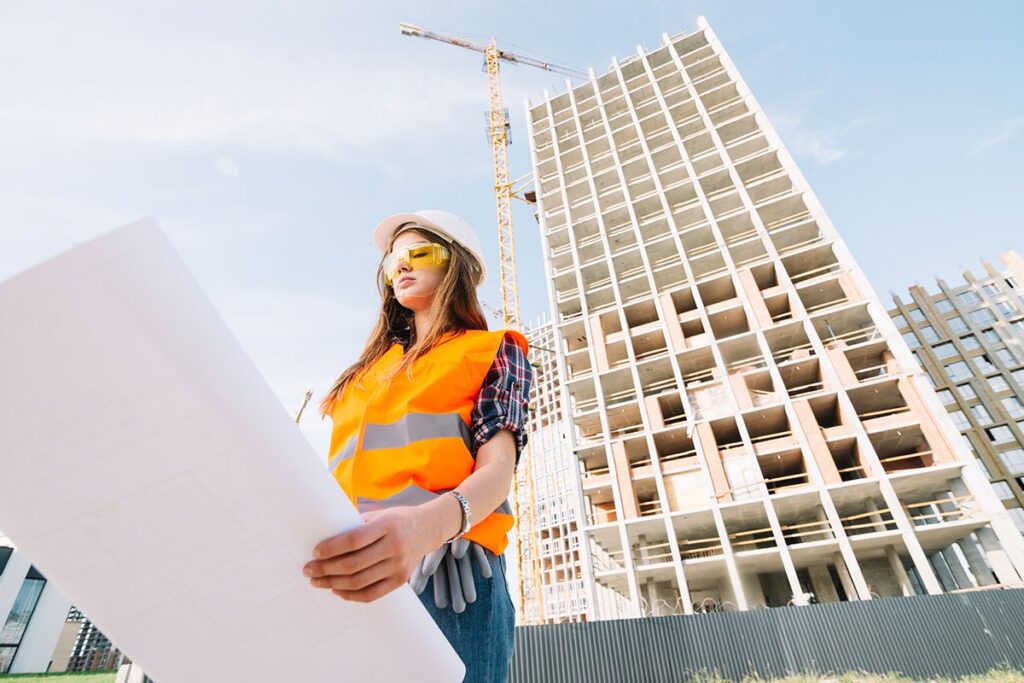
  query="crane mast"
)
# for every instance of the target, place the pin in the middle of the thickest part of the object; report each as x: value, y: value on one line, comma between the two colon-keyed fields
x: 498, y: 134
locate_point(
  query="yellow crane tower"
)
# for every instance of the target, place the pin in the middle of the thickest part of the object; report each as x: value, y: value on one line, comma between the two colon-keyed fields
x: 504, y: 190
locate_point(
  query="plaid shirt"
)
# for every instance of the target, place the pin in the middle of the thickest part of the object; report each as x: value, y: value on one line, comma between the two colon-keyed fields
x: 504, y: 397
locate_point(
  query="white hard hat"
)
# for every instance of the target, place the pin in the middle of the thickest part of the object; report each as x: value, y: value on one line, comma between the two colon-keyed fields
x: 442, y: 222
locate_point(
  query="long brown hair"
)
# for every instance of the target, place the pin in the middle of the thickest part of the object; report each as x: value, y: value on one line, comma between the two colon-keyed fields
x: 455, y: 308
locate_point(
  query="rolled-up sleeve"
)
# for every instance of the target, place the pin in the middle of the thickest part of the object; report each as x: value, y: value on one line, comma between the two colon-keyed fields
x: 504, y: 398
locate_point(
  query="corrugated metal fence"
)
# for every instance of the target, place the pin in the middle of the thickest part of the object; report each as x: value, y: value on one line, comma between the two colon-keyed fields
x: 922, y: 636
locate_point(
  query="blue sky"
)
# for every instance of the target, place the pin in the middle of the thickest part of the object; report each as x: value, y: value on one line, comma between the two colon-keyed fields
x: 267, y: 138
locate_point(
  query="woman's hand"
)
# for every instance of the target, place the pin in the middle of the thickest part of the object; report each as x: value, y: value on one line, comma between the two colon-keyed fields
x: 368, y: 562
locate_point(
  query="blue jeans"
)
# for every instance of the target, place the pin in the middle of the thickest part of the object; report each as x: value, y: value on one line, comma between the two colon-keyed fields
x: 484, y: 633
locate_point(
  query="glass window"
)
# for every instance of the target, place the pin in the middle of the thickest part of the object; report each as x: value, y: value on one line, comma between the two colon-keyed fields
x: 916, y: 315
x: 981, y: 414
x: 1003, y: 490
x: 957, y: 324
x: 1019, y: 376
x: 911, y: 340
x: 968, y: 298
x: 1007, y: 308
x: 991, y: 336
x: 984, y: 363
x: 987, y: 468
x: 21, y: 612
x: 944, y: 306
x: 1017, y: 515
x: 999, y: 434
x: 970, y: 342
x: 945, y: 350
x: 991, y: 289
x: 997, y: 383
x: 1013, y: 406
x: 946, y: 396
x: 899, y: 321
x: 958, y: 370
x: 929, y: 334
x: 967, y: 391
x: 1013, y: 460
x: 960, y: 420
x: 982, y: 316
x: 1012, y: 283
x: 1006, y: 356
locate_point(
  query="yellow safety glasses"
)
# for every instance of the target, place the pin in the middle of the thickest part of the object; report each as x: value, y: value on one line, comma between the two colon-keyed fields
x: 418, y: 255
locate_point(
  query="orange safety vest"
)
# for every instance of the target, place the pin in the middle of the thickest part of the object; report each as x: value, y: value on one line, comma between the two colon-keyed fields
x: 407, y: 442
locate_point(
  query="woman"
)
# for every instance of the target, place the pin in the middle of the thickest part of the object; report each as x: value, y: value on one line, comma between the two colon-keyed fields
x: 428, y: 428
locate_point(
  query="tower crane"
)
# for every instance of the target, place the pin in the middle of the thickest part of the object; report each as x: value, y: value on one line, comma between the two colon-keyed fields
x: 504, y: 190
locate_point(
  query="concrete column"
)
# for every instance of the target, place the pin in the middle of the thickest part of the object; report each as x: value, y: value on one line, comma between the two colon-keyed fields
x: 1004, y: 532
x: 624, y: 478
x: 676, y: 340
x: 956, y: 568
x: 844, y: 370
x: 906, y: 587
x: 654, y: 412
x: 848, y: 287
x: 938, y: 564
x: 709, y: 446
x: 876, y: 517
x: 845, y: 579
x: 892, y: 366
x: 976, y: 561
x: 941, y: 451
x: 597, y: 342
x: 756, y: 299
x: 740, y: 391
x: 819, y: 448
x: 821, y: 583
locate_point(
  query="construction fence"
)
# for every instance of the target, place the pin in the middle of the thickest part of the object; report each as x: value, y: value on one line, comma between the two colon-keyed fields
x: 951, y: 635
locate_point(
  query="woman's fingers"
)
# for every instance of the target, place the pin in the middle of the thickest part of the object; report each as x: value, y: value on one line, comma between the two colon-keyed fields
x: 358, y: 580
x: 349, y: 541
x: 350, y: 563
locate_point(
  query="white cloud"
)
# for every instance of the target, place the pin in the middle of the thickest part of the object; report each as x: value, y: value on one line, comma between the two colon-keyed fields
x: 226, y: 166
x: 802, y: 139
x: 1005, y: 133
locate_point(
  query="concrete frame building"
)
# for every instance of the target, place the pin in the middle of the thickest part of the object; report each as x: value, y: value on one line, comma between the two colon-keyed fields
x: 33, y: 611
x: 557, y: 587
x: 748, y: 425
x: 969, y: 338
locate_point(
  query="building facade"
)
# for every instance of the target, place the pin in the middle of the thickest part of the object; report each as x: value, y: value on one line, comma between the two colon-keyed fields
x: 969, y: 338
x: 749, y: 428
x: 556, y: 571
x: 34, y: 613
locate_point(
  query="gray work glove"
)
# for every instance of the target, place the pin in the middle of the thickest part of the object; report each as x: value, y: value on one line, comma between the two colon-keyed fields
x: 451, y: 567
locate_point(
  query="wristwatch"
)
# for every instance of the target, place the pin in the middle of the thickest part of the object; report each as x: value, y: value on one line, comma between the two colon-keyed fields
x: 467, y: 516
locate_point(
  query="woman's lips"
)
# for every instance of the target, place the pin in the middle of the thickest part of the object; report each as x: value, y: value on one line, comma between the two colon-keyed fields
x: 402, y: 280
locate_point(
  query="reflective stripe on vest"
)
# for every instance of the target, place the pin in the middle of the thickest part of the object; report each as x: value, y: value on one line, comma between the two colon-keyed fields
x: 409, y: 429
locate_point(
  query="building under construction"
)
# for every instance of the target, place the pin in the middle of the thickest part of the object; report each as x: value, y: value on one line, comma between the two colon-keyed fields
x: 747, y: 427
x: 969, y: 338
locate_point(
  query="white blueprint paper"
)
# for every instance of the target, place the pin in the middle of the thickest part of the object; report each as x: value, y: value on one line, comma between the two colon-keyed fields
x: 149, y: 471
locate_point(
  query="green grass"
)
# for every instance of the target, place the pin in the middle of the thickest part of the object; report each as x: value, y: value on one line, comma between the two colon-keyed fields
x: 998, y: 675
x: 87, y: 677
x: 994, y: 676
